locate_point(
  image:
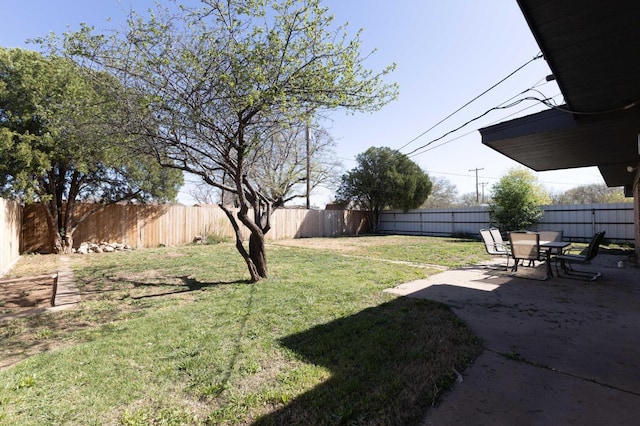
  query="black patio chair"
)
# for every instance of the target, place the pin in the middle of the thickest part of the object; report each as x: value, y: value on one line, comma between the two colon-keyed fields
x: 567, y: 259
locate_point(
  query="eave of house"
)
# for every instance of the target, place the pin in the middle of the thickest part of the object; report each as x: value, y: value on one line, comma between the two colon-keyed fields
x: 593, y: 50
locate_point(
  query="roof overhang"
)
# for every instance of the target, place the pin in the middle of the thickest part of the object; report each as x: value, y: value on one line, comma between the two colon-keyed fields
x: 554, y: 140
x: 593, y: 50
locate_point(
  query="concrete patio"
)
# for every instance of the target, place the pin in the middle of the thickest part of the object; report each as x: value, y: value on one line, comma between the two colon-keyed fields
x: 560, y: 351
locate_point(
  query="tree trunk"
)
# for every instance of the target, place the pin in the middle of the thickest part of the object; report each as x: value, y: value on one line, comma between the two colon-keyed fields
x: 55, y: 239
x: 258, y: 254
x: 374, y: 217
x: 253, y: 270
x: 67, y: 241
x: 56, y: 242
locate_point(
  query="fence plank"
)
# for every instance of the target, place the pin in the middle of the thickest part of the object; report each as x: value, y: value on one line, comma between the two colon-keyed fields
x: 10, y: 226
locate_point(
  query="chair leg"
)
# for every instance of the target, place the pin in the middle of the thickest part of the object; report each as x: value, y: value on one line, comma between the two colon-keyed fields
x: 569, y: 271
x: 515, y: 265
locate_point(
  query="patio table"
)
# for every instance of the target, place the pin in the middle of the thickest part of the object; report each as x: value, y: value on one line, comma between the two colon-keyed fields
x: 553, y: 247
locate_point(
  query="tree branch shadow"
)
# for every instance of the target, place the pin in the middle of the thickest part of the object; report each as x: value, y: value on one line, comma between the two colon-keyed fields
x: 190, y: 283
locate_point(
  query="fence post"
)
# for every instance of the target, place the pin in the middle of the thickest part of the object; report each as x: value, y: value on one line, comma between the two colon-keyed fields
x: 453, y: 223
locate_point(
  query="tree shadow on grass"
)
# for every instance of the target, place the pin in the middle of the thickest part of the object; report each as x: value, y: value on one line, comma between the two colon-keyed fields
x: 191, y: 285
x: 388, y: 365
x: 45, y: 331
x: 185, y: 284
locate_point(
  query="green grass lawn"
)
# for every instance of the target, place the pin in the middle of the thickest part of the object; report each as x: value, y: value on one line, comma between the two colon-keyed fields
x: 177, y: 336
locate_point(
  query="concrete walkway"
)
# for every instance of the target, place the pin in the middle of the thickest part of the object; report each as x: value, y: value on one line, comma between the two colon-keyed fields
x: 558, y: 352
x: 67, y: 295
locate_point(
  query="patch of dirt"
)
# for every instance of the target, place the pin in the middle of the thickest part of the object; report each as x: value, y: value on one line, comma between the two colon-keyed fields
x: 25, y: 293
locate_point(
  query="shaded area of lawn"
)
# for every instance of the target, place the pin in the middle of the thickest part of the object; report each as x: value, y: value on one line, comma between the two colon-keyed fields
x: 176, y: 336
x: 387, y: 365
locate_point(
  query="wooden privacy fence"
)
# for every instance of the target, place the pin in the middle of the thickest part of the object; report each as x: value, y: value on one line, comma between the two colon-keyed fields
x: 10, y: 226
x: 151, y: 226
x: 579, y: 222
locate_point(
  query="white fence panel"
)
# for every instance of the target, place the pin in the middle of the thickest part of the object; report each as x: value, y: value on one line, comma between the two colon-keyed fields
x: 578, y: 222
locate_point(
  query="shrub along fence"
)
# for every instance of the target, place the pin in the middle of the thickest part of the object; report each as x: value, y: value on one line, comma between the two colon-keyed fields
x: 10, y: 226
x: 579, y: 222
x: 152, y: 226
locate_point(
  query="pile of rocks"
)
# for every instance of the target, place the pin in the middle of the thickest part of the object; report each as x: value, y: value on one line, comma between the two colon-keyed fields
x: 104, y: 247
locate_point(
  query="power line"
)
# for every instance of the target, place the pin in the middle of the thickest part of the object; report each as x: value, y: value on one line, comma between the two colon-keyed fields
x: 497, y: 178
x: 538, y: 56
x: 534, y: 87
x: 547, y: 101
x: 528, y: 98
x: 430, y: 148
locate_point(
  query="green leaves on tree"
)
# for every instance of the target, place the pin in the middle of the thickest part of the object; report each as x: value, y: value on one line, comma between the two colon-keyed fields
x: 384, y: 178
x: 59, y: 143
x: 220, y: 76
x: 516, y: 201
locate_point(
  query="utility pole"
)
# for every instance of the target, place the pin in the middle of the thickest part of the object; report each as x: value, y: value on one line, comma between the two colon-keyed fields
x: 483, y: 185
x: 477, y: 188
x: 308, y: 179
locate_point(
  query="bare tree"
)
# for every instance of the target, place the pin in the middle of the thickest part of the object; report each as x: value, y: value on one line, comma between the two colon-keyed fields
x: 202, y: 193
x: 589, y: 194
x: 290, y: 156
x: 444, y: 193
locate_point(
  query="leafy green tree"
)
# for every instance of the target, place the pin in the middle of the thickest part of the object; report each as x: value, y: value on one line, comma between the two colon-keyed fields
x: 58, y: 148
x: 384, y: 178
x: 595, y: 193
x: 516, y: 200
x: 217, y: 77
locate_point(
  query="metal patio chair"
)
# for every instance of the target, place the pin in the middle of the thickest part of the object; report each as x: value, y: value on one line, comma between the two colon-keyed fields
x: 567, y: 259
x: 494, y: 244
x: 526, y: 246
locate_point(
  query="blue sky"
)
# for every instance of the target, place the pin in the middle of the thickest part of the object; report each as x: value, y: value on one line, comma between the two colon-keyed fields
x: 447, y: 52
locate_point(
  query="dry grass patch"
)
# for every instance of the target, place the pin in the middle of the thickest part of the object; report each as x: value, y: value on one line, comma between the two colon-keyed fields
x: 34, y: 264
x: 348, y: 244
